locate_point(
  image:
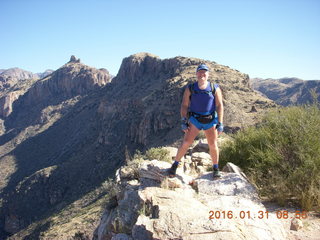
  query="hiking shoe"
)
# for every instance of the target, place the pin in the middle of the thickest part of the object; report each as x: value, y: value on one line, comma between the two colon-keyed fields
x: 172, y: 170
x: 216, y: 173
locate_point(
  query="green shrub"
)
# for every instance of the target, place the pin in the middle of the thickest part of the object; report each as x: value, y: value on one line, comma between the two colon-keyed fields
x: 111, y: 188
x: 159, y: 154
x: 133, y: 165
x: 282, y: 155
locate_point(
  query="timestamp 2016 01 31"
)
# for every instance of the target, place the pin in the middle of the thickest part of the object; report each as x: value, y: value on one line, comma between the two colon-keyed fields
x: 248, y: 214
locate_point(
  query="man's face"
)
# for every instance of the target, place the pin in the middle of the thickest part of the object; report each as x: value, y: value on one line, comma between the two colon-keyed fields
x: 202, y: 75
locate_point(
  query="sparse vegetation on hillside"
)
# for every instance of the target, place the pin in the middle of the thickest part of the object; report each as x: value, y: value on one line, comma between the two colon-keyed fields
x: 281, y: 155
x: 77, y: 220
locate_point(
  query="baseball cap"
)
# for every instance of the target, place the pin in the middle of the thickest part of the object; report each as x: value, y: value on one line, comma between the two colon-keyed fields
x: 202, y: 67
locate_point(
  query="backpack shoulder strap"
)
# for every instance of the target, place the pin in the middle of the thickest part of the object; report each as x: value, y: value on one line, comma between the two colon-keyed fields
x: 191, y: 88
x: 213, y: 88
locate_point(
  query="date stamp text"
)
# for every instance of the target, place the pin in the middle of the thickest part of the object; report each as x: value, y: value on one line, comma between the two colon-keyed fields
x: 283, y: 214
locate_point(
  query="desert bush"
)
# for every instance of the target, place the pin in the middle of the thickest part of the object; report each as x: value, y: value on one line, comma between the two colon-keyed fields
x: 159, y: 154
x: 282, y: 155
x: 133, y: 165
x: 111, y: 187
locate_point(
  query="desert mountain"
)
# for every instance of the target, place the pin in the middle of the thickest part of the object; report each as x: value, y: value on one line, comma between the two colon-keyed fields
x: 71, y: 130
x: 11, y: 76
x: 14, y: 82
x: 287, y: 91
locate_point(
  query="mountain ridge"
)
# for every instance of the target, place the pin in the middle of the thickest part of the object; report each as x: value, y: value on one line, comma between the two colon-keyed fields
x: 14, y: 82
x: 288, y: 91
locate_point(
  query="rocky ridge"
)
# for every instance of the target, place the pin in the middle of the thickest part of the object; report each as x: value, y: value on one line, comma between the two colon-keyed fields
x: 287, y: 91
x: 14, y: 82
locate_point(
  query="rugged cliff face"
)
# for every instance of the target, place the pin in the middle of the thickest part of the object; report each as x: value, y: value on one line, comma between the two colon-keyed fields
x: 7, y: 101
x: 70, y: 131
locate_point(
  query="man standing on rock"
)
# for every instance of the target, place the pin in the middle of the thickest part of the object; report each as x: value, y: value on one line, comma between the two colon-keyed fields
x: 202, y: 103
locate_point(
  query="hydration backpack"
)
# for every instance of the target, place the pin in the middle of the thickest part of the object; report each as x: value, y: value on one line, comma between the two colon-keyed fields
x: 201, y: 118
x: 191, y: 89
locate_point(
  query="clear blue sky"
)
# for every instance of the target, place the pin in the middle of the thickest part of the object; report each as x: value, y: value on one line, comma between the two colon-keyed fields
x: 270, y: 38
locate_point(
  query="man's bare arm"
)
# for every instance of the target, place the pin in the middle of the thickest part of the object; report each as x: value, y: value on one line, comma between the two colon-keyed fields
x: 185, y: 103
x: 219, y: 104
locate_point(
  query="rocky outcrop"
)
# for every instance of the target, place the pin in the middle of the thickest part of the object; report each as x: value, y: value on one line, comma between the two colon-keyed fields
x: 187, y: 208
x: 73, y: 59
x: 288, y: 91
x: 68, y: 81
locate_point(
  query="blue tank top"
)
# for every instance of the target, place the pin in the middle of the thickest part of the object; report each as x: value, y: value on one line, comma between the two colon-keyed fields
x: 203, y: 101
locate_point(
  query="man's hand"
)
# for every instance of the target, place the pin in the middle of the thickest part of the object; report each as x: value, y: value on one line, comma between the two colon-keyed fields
x: 219, y: 127
x: 184, y: 124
